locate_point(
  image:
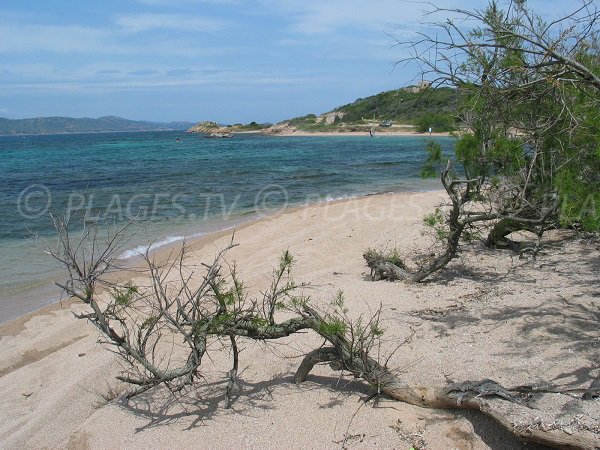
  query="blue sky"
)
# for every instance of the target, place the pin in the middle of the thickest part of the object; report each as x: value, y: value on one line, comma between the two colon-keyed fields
x: 224, y: 60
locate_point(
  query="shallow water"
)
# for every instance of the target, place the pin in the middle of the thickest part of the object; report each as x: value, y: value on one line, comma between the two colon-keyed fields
x: 175, y: 189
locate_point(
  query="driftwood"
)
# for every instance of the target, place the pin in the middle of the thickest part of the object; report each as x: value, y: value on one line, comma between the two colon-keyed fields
x: 482, y: 396
x: 460, y: 217
x: 457, y: 221
x: 136, y: 322
x: 593, y: 391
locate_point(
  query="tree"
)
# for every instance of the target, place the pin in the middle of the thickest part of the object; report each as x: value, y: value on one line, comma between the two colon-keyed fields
x: 530, y: 97
x: 163, y: 328
x: 438, y: 122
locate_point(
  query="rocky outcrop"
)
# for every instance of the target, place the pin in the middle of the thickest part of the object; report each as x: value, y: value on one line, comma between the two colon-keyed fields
x: 280, y: 128
x: 330, y: 118
x: 205, y: 127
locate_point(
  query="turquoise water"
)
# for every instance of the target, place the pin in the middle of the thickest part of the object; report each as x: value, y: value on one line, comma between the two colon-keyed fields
x: 175, y: 189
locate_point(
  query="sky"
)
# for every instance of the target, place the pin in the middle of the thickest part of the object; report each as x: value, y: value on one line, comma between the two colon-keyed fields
x: 191, y: 60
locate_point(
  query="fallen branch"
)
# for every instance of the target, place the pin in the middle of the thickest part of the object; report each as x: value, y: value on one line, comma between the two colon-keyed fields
x: 483, y: 396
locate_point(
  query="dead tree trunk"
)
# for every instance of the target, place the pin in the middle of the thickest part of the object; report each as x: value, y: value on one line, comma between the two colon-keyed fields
x: 135, y: 319
x: 457, y: 221
x: 593, y: 391
x: 483, y: 396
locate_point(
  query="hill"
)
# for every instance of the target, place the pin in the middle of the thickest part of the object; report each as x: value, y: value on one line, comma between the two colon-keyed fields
x: 413, y: 107
x: 405, y: 105
x: 56, y: 125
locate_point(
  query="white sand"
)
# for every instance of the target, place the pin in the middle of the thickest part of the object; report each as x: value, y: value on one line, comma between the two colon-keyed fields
x: 478, y: 319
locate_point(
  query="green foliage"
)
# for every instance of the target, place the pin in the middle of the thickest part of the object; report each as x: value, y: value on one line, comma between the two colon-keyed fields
x: 335, y: 327
x: 297, y: 302
x: 309, y: 119
x: 286, y: 261
x: 392, y: 256
x: 436, y: 107
x: 149, y: 322
x: 260, y: 321
x: 228, y: 295
x: 437, y: 222
x: 339, y: 304
x: 376, y: 330
x: 578, y: 205
x: 438, y: 122
x: 125, y: 295
x: 534, y: 134
x: 404, y: 106
x: 88, y: 291
x: 252, y: 126
x: 312, y: 126
x: 578, y: 179
x: 433, y: 161
x: 506, y: 156
x: 467, y: 151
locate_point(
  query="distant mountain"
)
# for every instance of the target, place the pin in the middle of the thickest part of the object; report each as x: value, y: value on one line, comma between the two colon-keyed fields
x: 56, y: 125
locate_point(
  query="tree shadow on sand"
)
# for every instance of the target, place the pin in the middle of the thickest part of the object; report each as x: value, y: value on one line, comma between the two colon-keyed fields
x: 194, y: 406
x: 567, y: 318
x: 576, y: 261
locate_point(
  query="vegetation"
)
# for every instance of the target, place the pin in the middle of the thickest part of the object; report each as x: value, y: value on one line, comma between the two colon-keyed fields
x: 404, y: 106
x: 530, y: 96
x: 311, y: 122
x: 434, y: 108
x: 165, y: 327
x: 437, y: 122
x: 252, y: 126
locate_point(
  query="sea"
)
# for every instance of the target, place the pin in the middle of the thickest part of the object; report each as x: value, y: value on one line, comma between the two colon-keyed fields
x: 176, y: 186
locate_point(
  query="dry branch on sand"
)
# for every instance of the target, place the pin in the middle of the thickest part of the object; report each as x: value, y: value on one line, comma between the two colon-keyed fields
x: 164, y: 329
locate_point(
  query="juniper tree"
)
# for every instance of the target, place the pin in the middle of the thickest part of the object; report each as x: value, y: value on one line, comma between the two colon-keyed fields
x: 529, y: 153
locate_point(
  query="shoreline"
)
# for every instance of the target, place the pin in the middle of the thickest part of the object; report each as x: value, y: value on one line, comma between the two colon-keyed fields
x: 378, y: 133
x: 133, y: 264
x: 471, y: 321
x: 361, y: 133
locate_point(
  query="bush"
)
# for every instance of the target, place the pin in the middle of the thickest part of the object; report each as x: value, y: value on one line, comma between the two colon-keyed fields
x: 438, y: 122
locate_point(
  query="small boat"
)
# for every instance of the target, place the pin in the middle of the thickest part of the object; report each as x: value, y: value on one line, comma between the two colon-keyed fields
x: 219, y: 135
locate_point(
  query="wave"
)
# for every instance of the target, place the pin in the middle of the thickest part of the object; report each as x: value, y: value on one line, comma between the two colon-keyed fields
x: 310, y: 176
x: 142, y: 249
x: 334, y: 198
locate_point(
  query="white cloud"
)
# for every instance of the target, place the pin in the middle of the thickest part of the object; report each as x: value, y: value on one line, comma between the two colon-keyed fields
x: 27, y: 70
x: 76, y: 39
x: 149, y: 21
x: 322, y: 17
x: 318, y: 17
x: 172, y: 3
x: 54, y: 38
x: 108, y: 77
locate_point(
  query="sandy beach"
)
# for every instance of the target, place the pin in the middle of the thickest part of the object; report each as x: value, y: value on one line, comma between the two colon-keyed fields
x: 489, y: 315
x: 363, y: 133
x: 400, y: 130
